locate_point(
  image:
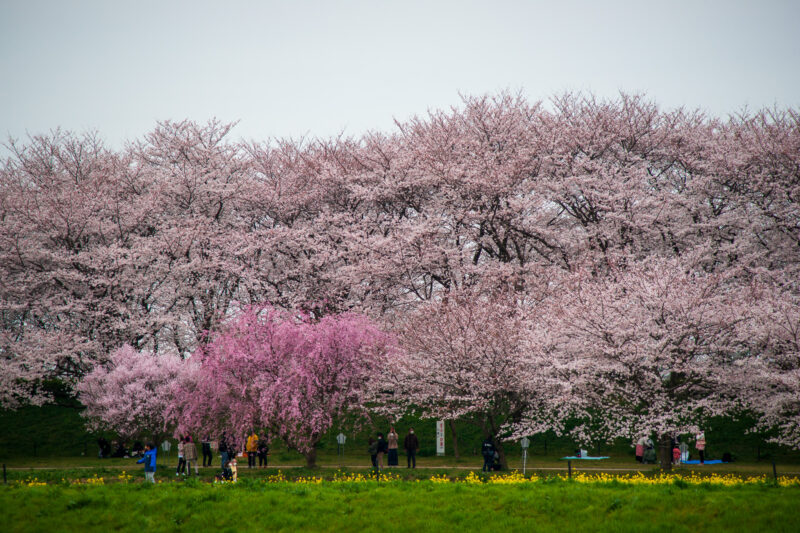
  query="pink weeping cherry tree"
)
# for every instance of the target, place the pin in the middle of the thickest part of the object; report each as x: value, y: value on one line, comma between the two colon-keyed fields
x: 132, y: 394
x: 287, y: 372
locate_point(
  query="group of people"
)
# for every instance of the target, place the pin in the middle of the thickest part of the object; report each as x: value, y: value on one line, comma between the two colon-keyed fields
x: 255, y: 447
x: 646, y: 453
x: 380, y: 447
x: 118, y: 449
x: 187, y: 455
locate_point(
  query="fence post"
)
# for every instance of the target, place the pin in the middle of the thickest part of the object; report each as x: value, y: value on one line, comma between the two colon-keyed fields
x: 774, y: 471
x: 569, y: 469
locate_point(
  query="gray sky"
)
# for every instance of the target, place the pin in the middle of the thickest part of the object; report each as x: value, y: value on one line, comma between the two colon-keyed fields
x: 319, y: 68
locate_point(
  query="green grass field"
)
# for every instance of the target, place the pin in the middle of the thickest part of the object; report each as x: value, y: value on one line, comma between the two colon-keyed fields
x: 53, y: 486
x: 544, y: 505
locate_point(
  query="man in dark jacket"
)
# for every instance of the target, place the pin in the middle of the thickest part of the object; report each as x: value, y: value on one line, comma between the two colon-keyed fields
x: 487, y: 450
x: 411, y: 445
x: 224, y: 449
x: 207, y: 455
x: 383, y: 447
x: 263, y: 451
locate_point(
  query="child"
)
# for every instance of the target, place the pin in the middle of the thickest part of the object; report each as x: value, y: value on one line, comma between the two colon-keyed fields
x: 676, y: 455
x: 149, y: 460
x: 234, y: 471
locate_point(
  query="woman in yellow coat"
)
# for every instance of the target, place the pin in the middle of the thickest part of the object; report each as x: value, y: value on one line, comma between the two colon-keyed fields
x: 252, y: 450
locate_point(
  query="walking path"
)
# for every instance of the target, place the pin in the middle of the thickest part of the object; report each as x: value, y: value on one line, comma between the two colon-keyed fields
x: 530, y: 468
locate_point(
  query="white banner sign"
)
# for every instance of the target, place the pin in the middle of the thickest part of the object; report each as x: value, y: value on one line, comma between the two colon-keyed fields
x: 440, y: 437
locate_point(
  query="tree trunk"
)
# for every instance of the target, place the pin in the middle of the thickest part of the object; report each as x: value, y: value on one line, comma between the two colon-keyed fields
x: 498, y: 446
x: 665, y: 452
x: 502, y: 453
x: 311, y: 458
x: 452, y: 424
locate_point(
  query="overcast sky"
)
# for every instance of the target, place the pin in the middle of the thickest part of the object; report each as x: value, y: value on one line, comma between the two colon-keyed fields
x: 320, y: 68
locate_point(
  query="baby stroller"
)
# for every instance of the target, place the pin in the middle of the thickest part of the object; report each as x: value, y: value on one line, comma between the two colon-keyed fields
x: 228, y: 472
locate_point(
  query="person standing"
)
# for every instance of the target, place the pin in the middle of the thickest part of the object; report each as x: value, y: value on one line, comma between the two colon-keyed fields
x: 206, y: 447
x: 391, y: 442
x: 251, y: 447
x: 487, y: 450
x: 382, y: 449
x: 372, y: 450
x: 190, y: 454
x: 411, y: 445
x: 640, y: 449
x: 181, y: 458
x: 224, y: 450
x: 700, y: 444
x: 149, y: 460
x: 263, y: 451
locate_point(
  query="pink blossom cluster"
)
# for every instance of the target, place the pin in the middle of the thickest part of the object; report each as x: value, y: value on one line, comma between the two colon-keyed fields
x: 289, y: 373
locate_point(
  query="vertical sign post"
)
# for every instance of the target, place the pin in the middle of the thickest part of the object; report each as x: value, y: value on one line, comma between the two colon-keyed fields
x: 166, y: 447
x: 524, y: 443
x: 440, y: 437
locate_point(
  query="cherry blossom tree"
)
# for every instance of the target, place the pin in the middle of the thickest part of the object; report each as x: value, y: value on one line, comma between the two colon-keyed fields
x: 132, y: 394
x: 467, y: 357
x: 287, y: 372
x: 65, y: 249
x: 654, y: 347
x: 155, y: 245
x: 769, y: 380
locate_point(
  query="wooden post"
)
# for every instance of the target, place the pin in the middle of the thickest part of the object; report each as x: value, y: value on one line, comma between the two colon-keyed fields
x: 774, y: 471
x: 569, y: 469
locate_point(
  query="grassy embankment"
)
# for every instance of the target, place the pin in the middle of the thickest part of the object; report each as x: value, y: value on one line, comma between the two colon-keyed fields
x: 507, y: 503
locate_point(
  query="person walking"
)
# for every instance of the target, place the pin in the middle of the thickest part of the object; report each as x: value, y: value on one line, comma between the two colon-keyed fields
x: 149, y: 460
x: 487, y: 451
x: 700, y: 444
x: 205, y: 444
x: 190, y: 454
x: 251, y: 447
x: 391, y: 442
x: 181, y: 458
x: 411, y: 445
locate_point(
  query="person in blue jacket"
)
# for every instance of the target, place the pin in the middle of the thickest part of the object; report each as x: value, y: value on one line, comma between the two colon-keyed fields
x: 149, y: 460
